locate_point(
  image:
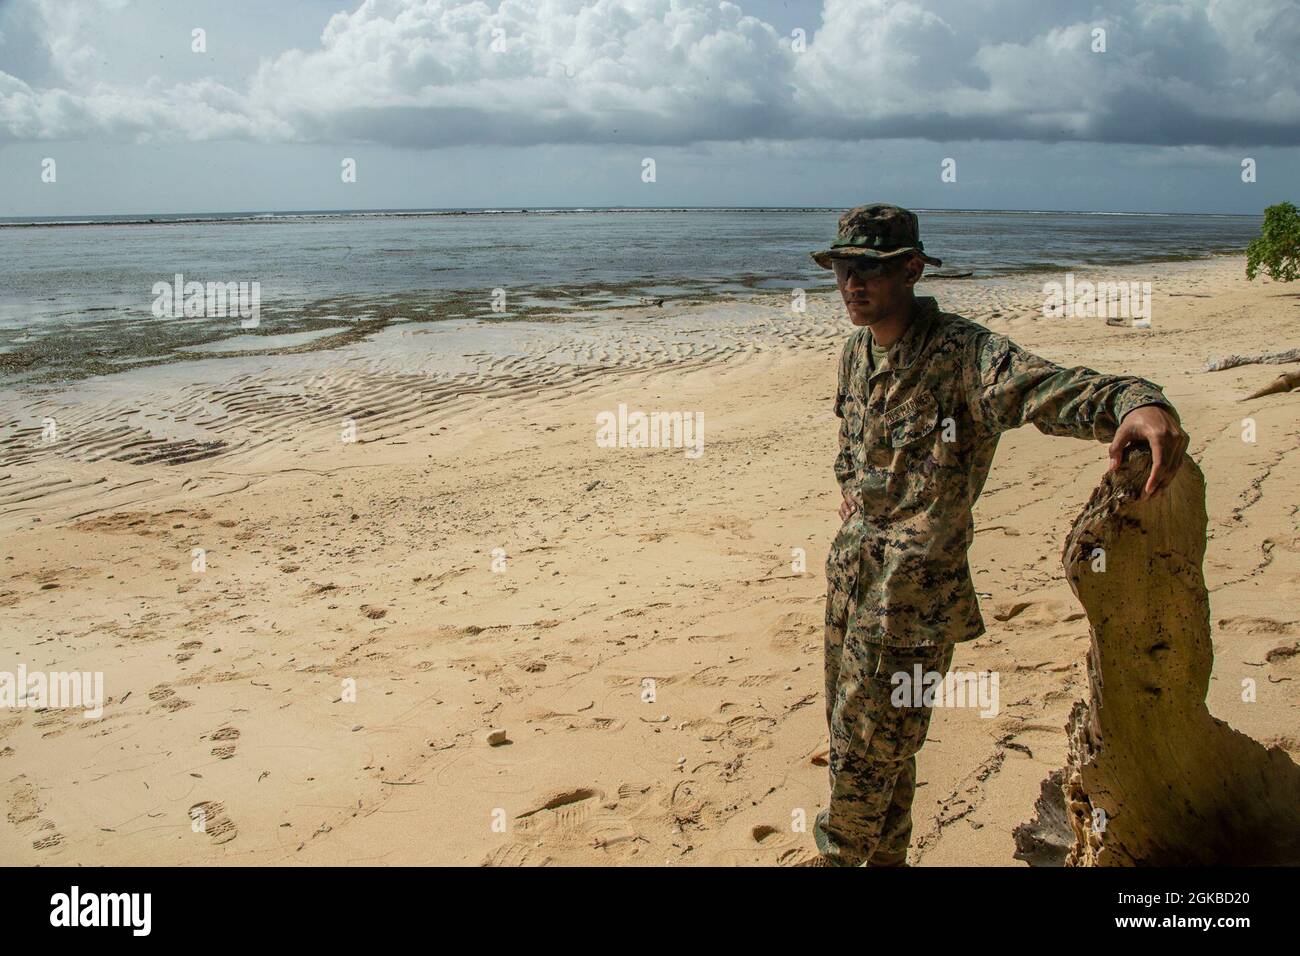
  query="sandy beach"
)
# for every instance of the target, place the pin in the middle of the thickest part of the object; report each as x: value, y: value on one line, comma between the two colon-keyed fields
x: 369, y: 611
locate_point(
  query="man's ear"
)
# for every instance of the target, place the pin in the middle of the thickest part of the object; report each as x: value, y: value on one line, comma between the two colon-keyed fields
x: 912, y: 270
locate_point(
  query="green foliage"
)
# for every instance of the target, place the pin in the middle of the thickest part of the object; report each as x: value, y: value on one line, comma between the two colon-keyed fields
x: 1277, y: 250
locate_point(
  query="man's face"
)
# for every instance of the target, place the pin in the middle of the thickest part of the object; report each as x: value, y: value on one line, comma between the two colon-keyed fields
x: 876, y: 289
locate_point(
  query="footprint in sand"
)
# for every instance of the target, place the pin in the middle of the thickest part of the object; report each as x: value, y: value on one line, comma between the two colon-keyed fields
x: 225, y: 738
x: 516, y: 855
x: 572, y: 822
x: 24, y: 806
x: 796, y: 856
x: 763, y: 832
x: 24, y: 800
x: 1283, y: 652
x: 187, y: 649
x: 51, y: 723
x: 209, y: 816
x: 127, y: 522
x: 1247, y: 624
x: 166, y: 698
x: 1042, y: 613
x: 711, y: 676
x: 795, y: 630
x: 769, y: 842
x: 707, y: 638
x: 49, y: 838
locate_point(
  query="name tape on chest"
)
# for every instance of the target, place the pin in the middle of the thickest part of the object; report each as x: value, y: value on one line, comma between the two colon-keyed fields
x: 909, y: 407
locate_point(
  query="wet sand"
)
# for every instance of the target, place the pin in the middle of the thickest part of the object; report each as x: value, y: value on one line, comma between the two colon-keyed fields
x: 324, y: 691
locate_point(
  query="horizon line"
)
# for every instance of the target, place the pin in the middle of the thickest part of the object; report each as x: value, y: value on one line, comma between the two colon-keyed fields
x: 155, y: 217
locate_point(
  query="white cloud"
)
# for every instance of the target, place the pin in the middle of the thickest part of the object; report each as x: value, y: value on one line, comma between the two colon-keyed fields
x: 428, y: 73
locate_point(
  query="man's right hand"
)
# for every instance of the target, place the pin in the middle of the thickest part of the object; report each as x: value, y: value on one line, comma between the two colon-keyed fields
x: 847, y: 507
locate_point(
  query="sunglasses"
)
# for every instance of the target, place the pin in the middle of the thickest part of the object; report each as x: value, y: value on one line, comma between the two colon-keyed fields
x: 861, y: 267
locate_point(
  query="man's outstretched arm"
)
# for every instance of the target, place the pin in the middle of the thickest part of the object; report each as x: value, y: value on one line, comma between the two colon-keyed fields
x: 1008, y: 387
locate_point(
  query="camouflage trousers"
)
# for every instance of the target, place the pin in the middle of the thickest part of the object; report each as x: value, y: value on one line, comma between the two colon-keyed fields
x: 873, y: 745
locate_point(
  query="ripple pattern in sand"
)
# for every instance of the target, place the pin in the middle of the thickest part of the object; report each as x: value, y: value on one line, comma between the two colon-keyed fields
x: 229, y: 408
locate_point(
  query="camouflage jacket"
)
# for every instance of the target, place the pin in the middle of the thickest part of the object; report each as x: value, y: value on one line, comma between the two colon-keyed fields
x: 917, y: 436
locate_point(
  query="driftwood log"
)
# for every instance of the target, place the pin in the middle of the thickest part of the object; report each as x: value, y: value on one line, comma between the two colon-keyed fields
x: 1152, y: 778
x: 1283, y: 383
x: 1268, y: 358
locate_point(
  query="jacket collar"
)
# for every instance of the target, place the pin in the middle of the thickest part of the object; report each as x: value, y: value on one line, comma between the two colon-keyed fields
x: 903, y: 353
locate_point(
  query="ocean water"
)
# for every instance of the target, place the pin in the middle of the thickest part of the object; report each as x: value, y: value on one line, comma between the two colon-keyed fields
x: 78, y: 296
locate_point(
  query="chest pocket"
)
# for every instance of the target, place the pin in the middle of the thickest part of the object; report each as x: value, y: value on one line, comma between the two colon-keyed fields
x: 911, y: 421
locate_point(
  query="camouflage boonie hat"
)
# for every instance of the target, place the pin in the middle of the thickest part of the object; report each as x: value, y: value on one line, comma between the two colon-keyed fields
x: 876, y: 231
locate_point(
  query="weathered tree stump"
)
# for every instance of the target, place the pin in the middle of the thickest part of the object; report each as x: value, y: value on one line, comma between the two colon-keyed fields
x: 1152, y: 778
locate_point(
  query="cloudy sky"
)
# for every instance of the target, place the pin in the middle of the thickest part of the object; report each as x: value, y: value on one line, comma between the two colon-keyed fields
x: 444, y: 103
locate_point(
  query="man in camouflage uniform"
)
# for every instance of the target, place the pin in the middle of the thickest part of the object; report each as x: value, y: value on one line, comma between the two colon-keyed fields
x: 922, y: 398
